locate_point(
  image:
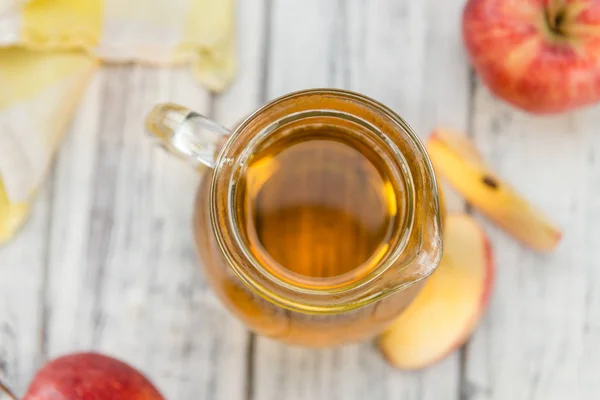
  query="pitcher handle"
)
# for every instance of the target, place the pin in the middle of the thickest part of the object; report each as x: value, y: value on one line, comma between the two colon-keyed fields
x: 186, y: 134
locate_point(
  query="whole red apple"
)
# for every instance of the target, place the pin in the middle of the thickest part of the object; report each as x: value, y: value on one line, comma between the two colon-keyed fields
x: 87, y: 376
x: 542, y: 56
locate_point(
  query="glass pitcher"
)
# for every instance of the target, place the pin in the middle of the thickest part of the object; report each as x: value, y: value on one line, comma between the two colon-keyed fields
x: 319, y: 218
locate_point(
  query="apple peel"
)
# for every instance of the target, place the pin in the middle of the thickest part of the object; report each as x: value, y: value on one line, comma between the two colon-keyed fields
x: 539, y: 56
x: 456, y: 159
x: 446, y: 311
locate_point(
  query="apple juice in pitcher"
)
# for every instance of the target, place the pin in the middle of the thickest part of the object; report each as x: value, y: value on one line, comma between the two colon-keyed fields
x: 319, y: 220
x: 316, y: 206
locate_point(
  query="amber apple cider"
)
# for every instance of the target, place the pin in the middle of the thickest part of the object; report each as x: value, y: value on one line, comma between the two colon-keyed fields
x: 316, y: 208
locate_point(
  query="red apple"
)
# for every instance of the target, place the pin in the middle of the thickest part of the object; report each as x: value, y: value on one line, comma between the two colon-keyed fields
x: 85, y: 376
x: 446, y: 311
x: 542, y: 56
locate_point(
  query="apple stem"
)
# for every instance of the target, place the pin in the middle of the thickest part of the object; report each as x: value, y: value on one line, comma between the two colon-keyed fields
x: 7, y: 391
x: 555, y: 15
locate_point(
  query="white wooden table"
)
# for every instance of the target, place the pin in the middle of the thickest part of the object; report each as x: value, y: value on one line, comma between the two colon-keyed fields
x: 107, y: 262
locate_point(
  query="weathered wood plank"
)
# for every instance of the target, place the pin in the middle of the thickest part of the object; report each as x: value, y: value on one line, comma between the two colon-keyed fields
x: 302, y: 46
x: 541, y: 337
x: 22, y: 272
x: 383, y: 49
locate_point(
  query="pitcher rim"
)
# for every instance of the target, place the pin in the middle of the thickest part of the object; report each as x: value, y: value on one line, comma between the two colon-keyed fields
x: 224, y: 233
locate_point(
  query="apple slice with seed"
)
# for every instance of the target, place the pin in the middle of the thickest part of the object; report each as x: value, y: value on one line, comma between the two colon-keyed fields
x: 456, y: 159
x: 451, y: 303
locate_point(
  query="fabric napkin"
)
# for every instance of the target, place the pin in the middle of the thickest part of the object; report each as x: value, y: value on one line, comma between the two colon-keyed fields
x: 49, y: 50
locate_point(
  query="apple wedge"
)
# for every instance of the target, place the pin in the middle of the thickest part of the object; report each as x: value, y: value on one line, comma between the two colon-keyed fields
x: 456, y: 159
x: 452, y: 301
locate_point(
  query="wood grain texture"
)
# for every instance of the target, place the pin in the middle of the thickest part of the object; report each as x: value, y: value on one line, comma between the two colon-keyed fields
x: 23, y: 264
x: 541, y: 338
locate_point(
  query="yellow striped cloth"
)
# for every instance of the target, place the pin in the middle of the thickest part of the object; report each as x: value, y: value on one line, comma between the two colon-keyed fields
x: 49, y: 50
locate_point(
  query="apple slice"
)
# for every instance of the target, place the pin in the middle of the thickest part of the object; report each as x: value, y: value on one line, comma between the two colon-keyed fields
x: 452, y: 301
x: 456, y: 159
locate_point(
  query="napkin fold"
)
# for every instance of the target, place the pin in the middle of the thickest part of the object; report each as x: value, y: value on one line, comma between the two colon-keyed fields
x: 49, y: 50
